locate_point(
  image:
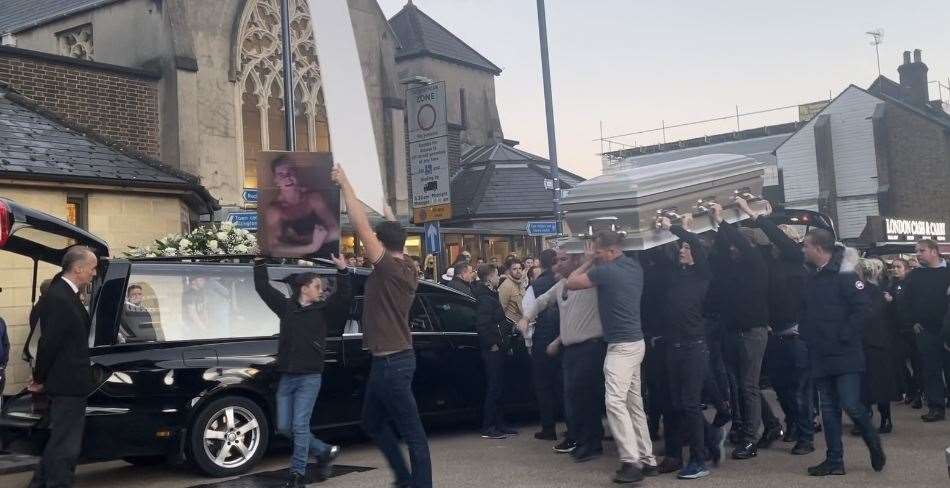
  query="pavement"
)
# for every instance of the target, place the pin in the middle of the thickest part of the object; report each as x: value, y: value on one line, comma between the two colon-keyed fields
x: 462, y: 459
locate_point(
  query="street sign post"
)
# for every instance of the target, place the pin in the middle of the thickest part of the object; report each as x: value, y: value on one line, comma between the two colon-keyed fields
x: 428, y: 153
x: 244, y: 220
x: 542, y: 229
x: 433, y: 237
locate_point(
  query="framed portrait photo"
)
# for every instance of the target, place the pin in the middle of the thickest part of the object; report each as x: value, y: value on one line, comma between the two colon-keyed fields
x: 299, y: 205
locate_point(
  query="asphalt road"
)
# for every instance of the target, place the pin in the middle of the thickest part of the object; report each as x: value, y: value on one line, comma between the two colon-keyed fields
x: 461, y: 459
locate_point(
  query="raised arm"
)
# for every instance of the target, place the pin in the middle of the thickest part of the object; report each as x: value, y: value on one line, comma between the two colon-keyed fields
x: 358, y: 217
x: 543, y: 302
x: 579, y: 279
x: 274, y: 299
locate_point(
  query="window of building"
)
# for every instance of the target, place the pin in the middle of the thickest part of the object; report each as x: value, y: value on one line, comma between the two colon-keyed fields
x: 76, y: 42
x: 260, y: 70
x: 76, y: 211
x: 463, y: 113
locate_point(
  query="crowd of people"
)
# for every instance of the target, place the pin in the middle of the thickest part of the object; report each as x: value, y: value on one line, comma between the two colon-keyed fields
x: 711, y: 320
x: 648, y: 339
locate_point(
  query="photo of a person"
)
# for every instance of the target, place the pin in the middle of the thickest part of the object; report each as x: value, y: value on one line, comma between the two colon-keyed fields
x: 299, y: 209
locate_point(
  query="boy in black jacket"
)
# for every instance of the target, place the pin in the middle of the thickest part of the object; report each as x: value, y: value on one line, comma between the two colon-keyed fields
x: 493, y: 328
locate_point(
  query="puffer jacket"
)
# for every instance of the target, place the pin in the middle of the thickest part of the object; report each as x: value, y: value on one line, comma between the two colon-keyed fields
x: 834, y: 310
x: 491, y: 324
x: 303, y: 330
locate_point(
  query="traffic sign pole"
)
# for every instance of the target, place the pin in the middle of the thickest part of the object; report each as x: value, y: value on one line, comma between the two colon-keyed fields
x: 549, y: 112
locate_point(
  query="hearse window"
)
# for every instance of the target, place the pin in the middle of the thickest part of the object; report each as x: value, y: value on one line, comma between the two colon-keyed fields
x: 180, y: 302
x: 418, y: 318
x: 454, y: 314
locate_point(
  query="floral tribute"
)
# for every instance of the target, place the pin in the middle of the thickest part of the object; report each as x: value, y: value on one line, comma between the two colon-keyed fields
x: 212, y: 240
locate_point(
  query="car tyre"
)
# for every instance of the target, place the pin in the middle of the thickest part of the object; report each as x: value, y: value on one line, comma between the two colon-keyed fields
x: 229, y: 436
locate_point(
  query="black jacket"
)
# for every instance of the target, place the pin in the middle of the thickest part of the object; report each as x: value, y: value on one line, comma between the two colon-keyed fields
x: 62, y: 358
x: 926, y: 291
x: 491, y: 324
x: 303, y: 330
x: 835, y: 308
x: 895, y: 310
x: 687, y: 290
x: 547, y: 326
x: 745, y: 281
x: 786, y: 277
x: 459, y: 284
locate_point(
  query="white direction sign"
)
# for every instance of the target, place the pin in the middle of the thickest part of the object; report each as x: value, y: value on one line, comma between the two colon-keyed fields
x: 426, y: 112
x: 429, y: 168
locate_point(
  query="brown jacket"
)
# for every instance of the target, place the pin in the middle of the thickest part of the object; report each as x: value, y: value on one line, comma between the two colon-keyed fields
x: 510, y: 294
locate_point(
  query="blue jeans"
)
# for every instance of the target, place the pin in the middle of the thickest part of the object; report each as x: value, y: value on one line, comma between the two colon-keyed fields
x: 837, y: 393
x: 296, y: 396
x: 389, y: 403
x: 789, y: 371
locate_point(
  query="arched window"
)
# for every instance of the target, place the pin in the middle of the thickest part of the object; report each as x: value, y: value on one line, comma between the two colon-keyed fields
x: 260, y: 79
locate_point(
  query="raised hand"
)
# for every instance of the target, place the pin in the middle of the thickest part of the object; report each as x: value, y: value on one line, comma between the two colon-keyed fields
x: 716, y: 212
x: 338, y: 261
x: 339, y: 176
x: 663, y: 222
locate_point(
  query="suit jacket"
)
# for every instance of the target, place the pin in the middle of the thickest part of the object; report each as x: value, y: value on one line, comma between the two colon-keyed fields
x: 62, y: 359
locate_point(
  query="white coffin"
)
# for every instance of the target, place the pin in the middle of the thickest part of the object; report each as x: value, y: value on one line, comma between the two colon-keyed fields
x: 630, y: 201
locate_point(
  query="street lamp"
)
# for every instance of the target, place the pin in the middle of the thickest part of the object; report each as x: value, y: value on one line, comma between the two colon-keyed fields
x: 549, y: 113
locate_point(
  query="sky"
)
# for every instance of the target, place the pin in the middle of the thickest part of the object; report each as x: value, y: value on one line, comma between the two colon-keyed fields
x: 634, y: 65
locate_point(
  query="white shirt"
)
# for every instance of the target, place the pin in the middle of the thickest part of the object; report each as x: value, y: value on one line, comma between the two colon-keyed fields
x: 71, y: 284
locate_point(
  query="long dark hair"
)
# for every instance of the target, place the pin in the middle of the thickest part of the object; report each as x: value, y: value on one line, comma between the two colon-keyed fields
x: 298, y: 281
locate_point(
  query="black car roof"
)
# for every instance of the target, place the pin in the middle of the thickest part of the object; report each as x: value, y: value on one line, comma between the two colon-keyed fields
x: 25, y: 217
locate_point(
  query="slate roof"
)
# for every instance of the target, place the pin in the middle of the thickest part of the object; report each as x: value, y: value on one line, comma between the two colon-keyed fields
x: 37, y: 145
x: 419, y: 35
x: 497, y: 180
x: 19, y: 15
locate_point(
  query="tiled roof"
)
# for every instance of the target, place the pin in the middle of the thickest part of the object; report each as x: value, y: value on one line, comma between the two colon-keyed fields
x: 420, y: 35
x: 500, y: 181
x: 36, y: 145
x: 19, y: 15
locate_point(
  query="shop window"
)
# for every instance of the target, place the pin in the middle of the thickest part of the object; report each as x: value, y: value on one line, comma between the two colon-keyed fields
x: 414, y: 245
x: 76, y: 211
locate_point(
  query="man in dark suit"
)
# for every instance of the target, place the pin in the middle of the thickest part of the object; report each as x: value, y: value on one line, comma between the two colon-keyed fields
x: 62, y: 367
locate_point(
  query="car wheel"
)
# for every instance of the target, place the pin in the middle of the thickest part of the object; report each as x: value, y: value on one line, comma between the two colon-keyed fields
x: 229, y: 436
x: 145, y: 460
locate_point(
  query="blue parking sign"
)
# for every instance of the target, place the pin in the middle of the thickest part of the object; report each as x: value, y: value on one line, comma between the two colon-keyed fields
x: 433, y: 237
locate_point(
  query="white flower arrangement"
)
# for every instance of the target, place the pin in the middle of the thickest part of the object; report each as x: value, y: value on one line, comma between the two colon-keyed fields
x: 212, y: 240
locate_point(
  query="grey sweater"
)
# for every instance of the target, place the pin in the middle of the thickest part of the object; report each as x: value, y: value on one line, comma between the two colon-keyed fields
x: 580, y: 316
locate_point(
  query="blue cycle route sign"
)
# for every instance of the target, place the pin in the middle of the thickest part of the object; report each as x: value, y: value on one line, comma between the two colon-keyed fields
x: 540, y: 229
x: 244, y: 220
x: 250, y: 195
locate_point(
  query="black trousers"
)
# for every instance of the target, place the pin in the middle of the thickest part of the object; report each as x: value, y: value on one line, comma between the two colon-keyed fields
x: 687, y: 362
x: 584, y: 391
x: 548, y: 382
x: 910, y: 367
x: 936, y: 366
x: 659, y: 405
x: 67, y: 418
x: 493, y: 416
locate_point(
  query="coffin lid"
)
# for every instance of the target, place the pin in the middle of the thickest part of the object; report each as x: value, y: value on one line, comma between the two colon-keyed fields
x: 661, y: 177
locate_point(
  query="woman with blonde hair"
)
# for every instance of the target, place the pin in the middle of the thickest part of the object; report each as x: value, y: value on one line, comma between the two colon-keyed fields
x: 881, y: 384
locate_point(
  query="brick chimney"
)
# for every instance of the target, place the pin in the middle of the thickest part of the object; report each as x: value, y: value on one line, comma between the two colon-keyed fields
x: 913, y: 76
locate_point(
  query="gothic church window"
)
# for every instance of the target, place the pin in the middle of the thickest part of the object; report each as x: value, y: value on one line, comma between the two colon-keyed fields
x: 260, y: 69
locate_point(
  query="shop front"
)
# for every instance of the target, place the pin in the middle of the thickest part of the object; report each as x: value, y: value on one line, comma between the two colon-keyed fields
x: 892, y: 236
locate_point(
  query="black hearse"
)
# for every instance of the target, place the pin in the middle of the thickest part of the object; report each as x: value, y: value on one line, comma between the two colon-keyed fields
x: 191, y: 364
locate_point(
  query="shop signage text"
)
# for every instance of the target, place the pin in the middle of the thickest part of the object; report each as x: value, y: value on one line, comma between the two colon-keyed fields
x: 900, y: 229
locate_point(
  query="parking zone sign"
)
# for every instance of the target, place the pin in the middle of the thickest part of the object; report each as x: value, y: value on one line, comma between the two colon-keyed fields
x: 428, y: 153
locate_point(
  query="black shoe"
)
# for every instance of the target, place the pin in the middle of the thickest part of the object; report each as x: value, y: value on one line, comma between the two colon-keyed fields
x: 586, y: 453
x: 802, y: 448
x: 296, y: 480
x: 647, y: 470
x: 790, y: 435
x: 546, y: 435
x: 628, y: 473
x: 508, y: 431
x: 826, y: 468
x: 886, y: 426
x: 325, y: 463
x: 566, y: 446
x: 669, y: 465
x: 934, y: 415
x: 747, y: 450
x: 769, y: 436
x: 493, y: 434
x: 878, y: 458
x: 917, y: 404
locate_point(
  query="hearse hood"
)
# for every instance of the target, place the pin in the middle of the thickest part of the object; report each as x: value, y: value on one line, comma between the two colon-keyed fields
x: 41, y: 236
